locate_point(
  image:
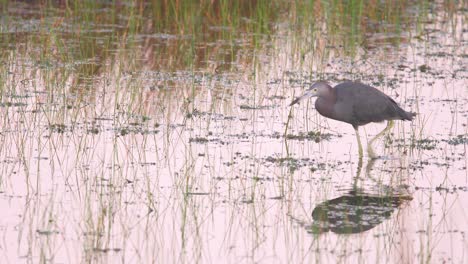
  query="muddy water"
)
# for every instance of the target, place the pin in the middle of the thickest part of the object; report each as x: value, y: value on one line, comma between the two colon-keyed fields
x: 138, y: 156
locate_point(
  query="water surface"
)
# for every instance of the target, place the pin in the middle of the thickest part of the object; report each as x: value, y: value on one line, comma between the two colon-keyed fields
x: 162, y: 134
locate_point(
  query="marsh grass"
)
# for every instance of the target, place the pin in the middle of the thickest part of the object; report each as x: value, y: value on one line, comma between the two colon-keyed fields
x: 123, y: 134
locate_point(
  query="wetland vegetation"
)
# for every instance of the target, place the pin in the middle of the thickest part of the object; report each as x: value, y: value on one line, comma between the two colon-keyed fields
x: 160, y: 132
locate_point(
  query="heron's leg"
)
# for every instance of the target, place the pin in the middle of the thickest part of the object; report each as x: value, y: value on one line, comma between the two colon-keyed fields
x: 358, y: 173
x: 356, y: 129
x: 369, y: 146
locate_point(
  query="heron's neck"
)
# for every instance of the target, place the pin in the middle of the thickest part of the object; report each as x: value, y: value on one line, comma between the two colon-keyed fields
x: 325, y: 104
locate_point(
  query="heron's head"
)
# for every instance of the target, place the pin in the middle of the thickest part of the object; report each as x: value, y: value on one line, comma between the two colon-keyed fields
x: 316, y: 90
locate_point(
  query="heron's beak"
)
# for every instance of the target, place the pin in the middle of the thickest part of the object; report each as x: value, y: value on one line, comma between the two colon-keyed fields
x: 306, y: 95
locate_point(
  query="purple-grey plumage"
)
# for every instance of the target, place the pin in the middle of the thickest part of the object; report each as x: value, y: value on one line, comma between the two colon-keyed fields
x: 354, y: 103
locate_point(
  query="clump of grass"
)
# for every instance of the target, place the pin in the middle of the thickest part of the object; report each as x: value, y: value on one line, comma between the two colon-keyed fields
x: 458, y: 140
x: 316, y: 136
x: 426, y: 144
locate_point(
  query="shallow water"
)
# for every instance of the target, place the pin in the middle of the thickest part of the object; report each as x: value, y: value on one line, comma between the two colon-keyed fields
x: 123, y: 144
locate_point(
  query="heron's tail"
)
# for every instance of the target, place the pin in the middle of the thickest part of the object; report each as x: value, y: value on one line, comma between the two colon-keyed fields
x: 408, y: 115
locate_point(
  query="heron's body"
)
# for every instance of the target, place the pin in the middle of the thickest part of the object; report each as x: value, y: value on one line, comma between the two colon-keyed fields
x: 359, y: 104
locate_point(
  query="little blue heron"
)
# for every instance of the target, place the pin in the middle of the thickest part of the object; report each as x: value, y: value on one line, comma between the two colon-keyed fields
x: 356, y: 104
